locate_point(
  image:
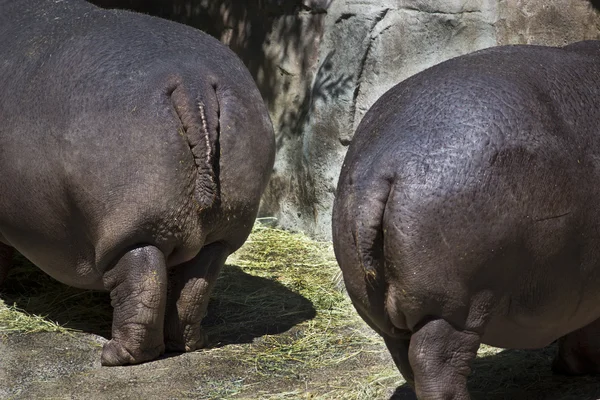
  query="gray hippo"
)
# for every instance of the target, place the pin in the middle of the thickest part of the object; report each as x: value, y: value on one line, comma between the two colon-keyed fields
x: 133, y: 154
x: 467, y: 212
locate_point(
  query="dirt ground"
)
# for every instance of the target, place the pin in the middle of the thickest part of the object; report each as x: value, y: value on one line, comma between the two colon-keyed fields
x: 66, y: 366
x: 56, y: 366
x: 277, y: 330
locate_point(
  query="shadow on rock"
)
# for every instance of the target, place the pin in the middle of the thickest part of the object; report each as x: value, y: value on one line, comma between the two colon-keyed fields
x: 521, y: 375
x: 242, y: 306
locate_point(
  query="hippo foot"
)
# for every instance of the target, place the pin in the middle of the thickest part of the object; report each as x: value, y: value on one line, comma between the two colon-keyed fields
x: 198, y: 341
x: 115, y: 354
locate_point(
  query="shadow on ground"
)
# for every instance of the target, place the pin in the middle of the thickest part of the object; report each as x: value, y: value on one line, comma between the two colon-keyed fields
x: 242, y: 307
x: 521, y: 375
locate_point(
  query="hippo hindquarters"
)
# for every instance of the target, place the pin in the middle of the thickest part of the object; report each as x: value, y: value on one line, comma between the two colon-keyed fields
x: 464, y: 213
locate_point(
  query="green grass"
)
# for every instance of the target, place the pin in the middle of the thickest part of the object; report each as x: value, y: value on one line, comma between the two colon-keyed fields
x: 325, y: 350
x: 12, y: 319
x: 308, y: 268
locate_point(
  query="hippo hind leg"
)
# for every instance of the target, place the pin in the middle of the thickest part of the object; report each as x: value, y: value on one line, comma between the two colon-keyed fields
x: 6, y: 253
x: 190, y: 286
x: 579, y: 351
x: 138, y: 291
x: 398, y: 349
x: 441, y: 356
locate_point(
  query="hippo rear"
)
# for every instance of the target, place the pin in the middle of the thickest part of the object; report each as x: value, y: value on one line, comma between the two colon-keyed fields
x: 467, y: 213
x: 133, y: 154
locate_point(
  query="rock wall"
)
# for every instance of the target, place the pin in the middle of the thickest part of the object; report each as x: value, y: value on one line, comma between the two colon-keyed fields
x: 320, y: 65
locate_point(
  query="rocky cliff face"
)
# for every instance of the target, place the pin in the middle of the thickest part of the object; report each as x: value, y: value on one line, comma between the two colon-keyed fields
x: 320, y: 65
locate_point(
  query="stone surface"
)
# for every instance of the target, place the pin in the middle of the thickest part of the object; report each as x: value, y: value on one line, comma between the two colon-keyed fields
x: 553, y: 23
x: 320, y: 65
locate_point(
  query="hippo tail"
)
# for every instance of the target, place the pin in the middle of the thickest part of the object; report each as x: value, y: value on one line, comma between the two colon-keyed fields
x: 199, y: 118
x: 368, y: 230
x: 364, y: 213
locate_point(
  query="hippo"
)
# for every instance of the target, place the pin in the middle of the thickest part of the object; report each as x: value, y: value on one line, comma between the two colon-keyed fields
x: 467, y: 212
x: 133, y: 155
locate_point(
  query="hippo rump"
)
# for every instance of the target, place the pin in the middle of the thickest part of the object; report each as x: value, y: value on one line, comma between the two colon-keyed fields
x: 467, y: 212
x: 133, y: 154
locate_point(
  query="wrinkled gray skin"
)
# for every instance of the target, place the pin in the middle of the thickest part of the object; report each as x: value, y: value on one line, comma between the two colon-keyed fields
x: 467, y: 213
x: 133, y: 154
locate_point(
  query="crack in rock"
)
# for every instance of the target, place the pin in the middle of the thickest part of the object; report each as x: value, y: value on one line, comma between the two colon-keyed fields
x: 345, y: 17
x: 378, y: 18
x: 417, y: 10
